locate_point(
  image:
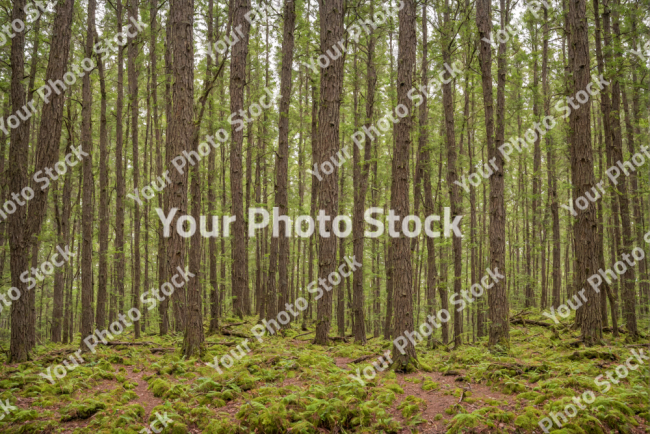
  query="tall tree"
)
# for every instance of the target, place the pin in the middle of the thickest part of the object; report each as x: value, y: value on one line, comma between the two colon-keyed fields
x: 278, y: 260
x: 212, y: 252
x: 104, y: 217
x: 88, y: 189
x: 360, y: 175
x: 452, y: 174
x: 133, y: 92
x: 582, y: 168
x: 626, y: 246
x: 119, y: 257
x: 331, y: 87
x: 25, y: 224
x: 499, y: 333
x: 400, y: 249
x: 237, y: 83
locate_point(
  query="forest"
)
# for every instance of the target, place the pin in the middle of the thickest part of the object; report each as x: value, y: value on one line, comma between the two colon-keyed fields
x: 330, y: 216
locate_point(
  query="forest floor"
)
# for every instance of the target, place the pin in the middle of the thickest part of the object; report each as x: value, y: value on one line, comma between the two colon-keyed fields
x: 286, y: 384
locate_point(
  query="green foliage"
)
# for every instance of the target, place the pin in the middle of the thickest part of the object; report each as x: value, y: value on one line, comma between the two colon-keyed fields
x: 429, y: 384
x: 529, y: 420
x: 82, y: 410
x: 411, y: 405
x: 512, y: 387
x: 461, y: 421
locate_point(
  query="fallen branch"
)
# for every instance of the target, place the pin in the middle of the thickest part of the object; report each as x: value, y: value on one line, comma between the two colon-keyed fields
x: 514, y: 367
x: 338, y: 338
x: 574, y: 343
x: 529, y: 321
x: 161, y: 350
x: 236, y: 324
x: 593, y: 354
x: 361, y: 359
x: 130, y: 344
x: 225, y: 344
x: 302, y: 334
x: 230, y: 333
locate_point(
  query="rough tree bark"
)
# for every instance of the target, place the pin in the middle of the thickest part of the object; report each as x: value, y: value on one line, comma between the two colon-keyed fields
x: 133, y: 92
x: 88, y: 188
x: 278, y: 260
x: 104, y: 216
x: 586, y: 236
x: 331, y: 86
x: 360, y: 174
x: 24, y: 224
x: 621, y: 190
x: 400, y: 249
x: 237, y: 82
x: 452, y: 174
x: 181, y: 135
x: 499, y: 333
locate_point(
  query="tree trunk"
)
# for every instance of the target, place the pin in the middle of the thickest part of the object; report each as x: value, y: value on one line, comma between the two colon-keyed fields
x: 163, y: 244
x: 586, y: 237
x: 237, y: 82
x: 104, y: 216
x: 88, y: 188
x: 360, y: 173
x: 499, y: 333
x: 331, y: 86
x: 400, y: 249
x: 119, y: 257
x: 627, y: 244
x: 279, y: 258
x: 133, y: 92
x: 22, y: 226
x: 452, y: 175
x: 314, y: 191
x: 212, y: 204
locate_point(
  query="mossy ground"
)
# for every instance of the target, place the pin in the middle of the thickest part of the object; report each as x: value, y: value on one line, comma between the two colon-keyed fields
x: 288, y: 385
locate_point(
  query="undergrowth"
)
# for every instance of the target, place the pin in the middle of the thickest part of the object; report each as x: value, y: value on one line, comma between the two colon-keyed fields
x: 284, y: 385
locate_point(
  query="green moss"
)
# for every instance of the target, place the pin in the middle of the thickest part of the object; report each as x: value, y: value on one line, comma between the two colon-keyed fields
x: 221, y: 426
x: 461, y: 421
x: 159, y: 387
x: 429, y: 384
x: 512, y: 387
x: 175, y: 428
x: 411, y: 405
x: 528, y: 395
x: 395, y: 388
x: 81, y: 410
x: 529, y: 420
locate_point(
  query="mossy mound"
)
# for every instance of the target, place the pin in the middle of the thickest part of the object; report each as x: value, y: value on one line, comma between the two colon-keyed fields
x: 82, y: 410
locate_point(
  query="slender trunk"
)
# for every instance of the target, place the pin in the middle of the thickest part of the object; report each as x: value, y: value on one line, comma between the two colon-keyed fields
x: 331, y: 86
x: 586, y: 237
x: 133, y: 92
x: 314, y: 191
x: 22, y: 226
x: 400, y: 251
x: 360, y: 174
x: 452, y: 174
x: 237, y: 82
x: 279, y: 259
x: 620, y: 188
x: 88, y: 188
x: 499, y: 333
x: 212, y: 204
